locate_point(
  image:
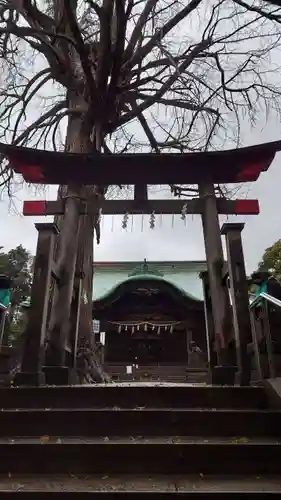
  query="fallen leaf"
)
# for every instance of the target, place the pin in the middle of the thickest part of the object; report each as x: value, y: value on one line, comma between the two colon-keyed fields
x: 241, y: 440
x: 44, y: 439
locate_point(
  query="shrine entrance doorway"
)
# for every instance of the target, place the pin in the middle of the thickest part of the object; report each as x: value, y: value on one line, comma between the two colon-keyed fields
x: 147, y: 347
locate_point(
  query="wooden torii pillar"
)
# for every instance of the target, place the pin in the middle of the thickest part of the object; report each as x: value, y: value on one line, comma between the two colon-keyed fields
x: 224, y: 371
x: 33, y: 358
x: 240, y: 298
x: 36, y: 368
x: 209, y: 324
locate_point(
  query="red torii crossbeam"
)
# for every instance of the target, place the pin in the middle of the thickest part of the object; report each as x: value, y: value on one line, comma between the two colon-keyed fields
x: 227, y: 166
x: 164, y: 207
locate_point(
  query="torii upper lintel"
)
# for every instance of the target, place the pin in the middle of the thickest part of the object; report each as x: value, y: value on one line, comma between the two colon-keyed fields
x: 226, y: 166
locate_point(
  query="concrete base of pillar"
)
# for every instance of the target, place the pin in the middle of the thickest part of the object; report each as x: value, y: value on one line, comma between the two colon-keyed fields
x: 33, y: 379
x: 59, y: 375
x: 223, y: 375
x: 5, y: 361
x: 244, y: 372
x: 244, y: 378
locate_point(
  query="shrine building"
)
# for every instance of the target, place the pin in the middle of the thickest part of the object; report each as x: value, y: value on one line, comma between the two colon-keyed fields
x: 149, y: 314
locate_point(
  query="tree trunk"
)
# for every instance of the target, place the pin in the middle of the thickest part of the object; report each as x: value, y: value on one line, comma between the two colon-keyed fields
x: 86, y: 340
x: 74, y: 253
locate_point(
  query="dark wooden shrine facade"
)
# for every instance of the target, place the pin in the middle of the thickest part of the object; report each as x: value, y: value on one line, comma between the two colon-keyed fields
x: 149, y: 321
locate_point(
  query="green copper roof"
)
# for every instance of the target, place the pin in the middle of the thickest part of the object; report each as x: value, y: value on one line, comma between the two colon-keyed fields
x: 119, y: 287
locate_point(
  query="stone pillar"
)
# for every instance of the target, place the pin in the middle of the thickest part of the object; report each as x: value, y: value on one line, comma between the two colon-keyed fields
x: 34, y: 347
x: 74, y: 317
x: 256, y: 340
x: 188, y: 339
x: 209, y: 322
x: 67, y: 373
x: 105, y: 329
x: 3, y: 315
x: 268, y: 340
x: 224, y: 372
x: 240, y: 298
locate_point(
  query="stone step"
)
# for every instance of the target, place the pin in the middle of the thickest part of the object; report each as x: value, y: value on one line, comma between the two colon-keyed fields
x: 156, y: 395
x: 187, y: 486
x: 167, y: 373
x: 125, y: 495
x: 178, y: 379
x: 139, y: 456
x: 155, y: 367
x: 139, y: 422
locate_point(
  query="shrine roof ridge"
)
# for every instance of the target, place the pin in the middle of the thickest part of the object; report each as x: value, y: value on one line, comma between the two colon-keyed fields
x: 117, y: 290
x: 159, y: 265
x: 225, y: 166
x: 109, y: 263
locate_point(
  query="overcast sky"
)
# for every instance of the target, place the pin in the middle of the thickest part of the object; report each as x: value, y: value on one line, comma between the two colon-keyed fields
x: 171, y: 239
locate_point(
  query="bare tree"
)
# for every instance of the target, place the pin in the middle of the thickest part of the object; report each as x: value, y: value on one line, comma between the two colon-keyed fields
x: 130, y: 75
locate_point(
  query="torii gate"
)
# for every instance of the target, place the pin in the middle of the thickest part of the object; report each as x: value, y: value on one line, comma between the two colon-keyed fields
x: 205, y: 169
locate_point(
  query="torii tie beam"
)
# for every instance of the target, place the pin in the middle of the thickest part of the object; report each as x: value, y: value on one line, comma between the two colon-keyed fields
x: 164, y: 207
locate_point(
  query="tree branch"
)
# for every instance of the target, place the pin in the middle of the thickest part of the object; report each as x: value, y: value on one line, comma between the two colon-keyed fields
x: 161, y: 33
x: 258, y: 10
x: 192, y: 106
x: 136, y: 34
x: 167, y: 85
x: 80, y: 47
x: 21, y: 139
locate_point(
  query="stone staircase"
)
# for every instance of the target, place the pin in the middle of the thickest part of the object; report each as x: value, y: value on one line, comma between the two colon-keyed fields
x: 154, y: 373
x: 101, y: 441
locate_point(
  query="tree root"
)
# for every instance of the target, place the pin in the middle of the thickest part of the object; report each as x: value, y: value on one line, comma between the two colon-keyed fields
x: 89, y: 368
